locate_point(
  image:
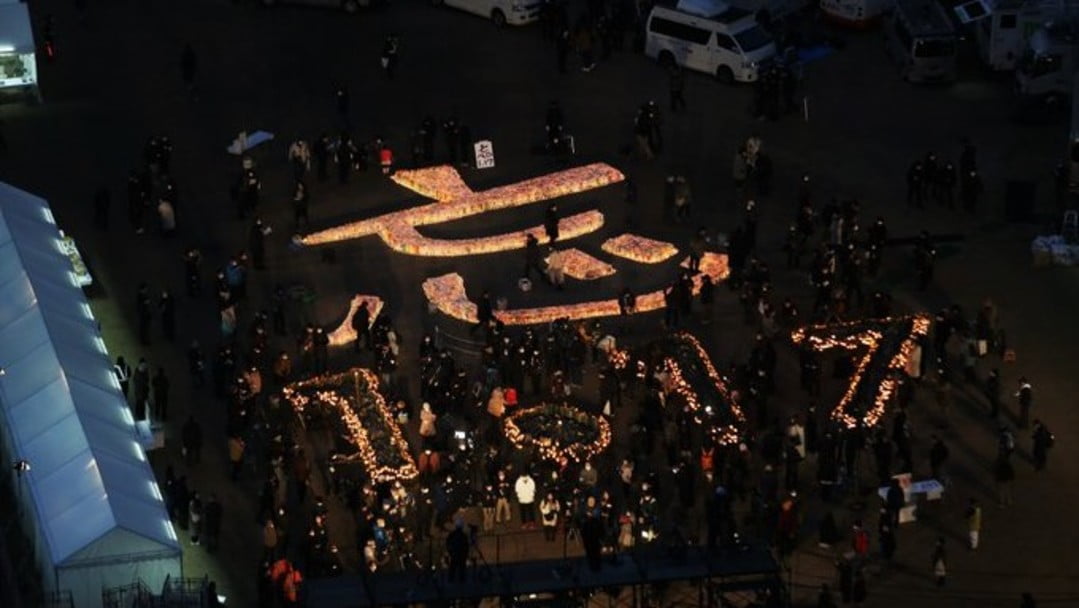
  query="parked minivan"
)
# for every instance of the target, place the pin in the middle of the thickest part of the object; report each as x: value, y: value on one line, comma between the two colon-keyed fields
x: 709, y: 36
x: 501, y: 12
x: 921, y: 38
x: 349, y: 6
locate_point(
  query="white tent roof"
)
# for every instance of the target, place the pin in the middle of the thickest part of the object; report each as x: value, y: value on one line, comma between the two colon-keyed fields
x: 15, y: 31
x: 61, y: 406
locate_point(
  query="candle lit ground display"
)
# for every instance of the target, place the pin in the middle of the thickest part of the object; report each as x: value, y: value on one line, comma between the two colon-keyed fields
x: 558, y: 431
x: 455, y: 200
x: 694, y: 383
x: 406, y: 239
x: 890, y: 345
x: 350, y: 402
x: 344, y: 334
x: 584, y: 267
x: 639, y: 248
x: 447, y: 294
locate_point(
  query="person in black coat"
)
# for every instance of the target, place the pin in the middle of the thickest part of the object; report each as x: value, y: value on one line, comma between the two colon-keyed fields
x: 1042, y: 442
x: 322, y: 345
x: 123, y: 375
x: 160, y: 384
x: 592, y: 539
x: 258, y: 244
x: 453, y: 136
x: 846, y: 580
x: 484, y: 313
x: 180, y: 497
x: 970, y: 189
x: 341, y: 96
x: 550, y: 223
x: 828, y: 531
x: 213, y: 513
x: 886, y: 533
x: 322, y: 156
x: 457, y: 544
x: 533, y: 257
x: 361, y: 324
x: 191, y: 441
x: 428, y: 129
x: 168, y: 315
x: 824, y: 599
x: 142, y: 388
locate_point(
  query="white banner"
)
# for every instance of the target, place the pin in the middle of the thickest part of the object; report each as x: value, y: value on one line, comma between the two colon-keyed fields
x: 485, y: 154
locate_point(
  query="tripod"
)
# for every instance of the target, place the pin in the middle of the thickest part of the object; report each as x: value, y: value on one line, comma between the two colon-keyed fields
x: 481, y: 570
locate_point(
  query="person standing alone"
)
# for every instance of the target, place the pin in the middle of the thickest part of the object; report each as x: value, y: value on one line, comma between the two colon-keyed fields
x: 525, y: 488
x: 1025, y: 395
x: 389, y: 56
x: 678, y: 89
x: 189, y: 65
x: 974, y: 522
x: 939, y: 563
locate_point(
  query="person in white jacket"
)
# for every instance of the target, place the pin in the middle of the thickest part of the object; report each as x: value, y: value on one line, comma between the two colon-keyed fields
x: 556, y: 268
x: 549, y: 508
x: 525, y: 488
x: 796, y: 434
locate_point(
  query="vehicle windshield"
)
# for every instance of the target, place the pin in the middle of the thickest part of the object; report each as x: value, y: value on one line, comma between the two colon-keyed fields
x: 934, y: 47
x: 752, y: 39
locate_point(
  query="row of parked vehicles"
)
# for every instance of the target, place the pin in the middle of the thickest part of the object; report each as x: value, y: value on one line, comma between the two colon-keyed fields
x: 1038, y: 39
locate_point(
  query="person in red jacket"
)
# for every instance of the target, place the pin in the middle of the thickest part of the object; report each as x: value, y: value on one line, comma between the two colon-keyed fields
x: 859, y: 540
x: 787, y: 526
x: 385, y: 158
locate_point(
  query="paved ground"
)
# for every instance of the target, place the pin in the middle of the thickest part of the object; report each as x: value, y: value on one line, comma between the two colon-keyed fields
x: 117, y: 81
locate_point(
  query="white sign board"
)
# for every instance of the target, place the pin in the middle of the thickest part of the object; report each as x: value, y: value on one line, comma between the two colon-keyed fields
x: 485, y: 154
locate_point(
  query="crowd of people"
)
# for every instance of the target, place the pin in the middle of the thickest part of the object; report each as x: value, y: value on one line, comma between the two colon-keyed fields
x: 667, y: 480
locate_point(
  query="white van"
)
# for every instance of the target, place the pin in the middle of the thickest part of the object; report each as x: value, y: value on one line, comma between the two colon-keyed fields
x: 349, y: 6
x: 921, y: 39
x: 500, y: 12
x: 1005, y: 26
x: 710, y: 37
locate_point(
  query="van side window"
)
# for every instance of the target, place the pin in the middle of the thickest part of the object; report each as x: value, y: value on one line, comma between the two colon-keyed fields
x: 1008, y: 22
x: 724, y: 41
x: 666, y: 27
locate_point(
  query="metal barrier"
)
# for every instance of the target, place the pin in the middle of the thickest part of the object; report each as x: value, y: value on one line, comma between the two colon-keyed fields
x: 135, y: 595
x: 456, y: 344
x: 58, y: 599
x: 642, y: 576
x: 184, y: 592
